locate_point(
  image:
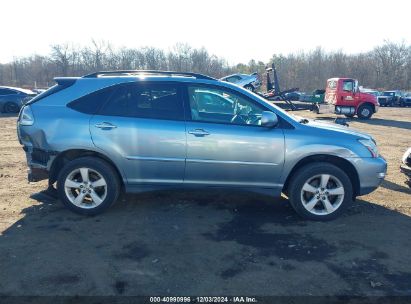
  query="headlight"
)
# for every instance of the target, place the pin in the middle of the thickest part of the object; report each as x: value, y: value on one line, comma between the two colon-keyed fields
x: 370, y: 145
x: 406, y: 156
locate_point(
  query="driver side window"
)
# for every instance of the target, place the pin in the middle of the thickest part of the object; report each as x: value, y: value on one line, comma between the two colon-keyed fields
x: 221, y: 106
x: 348, y: 85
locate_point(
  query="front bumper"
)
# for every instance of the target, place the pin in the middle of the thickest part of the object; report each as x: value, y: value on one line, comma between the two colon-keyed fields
x: 371, y: 173
x: 407, y: 171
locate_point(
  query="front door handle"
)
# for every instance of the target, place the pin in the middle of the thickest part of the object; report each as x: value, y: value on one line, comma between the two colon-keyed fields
x: 198, y: 132
x: 105, y: 125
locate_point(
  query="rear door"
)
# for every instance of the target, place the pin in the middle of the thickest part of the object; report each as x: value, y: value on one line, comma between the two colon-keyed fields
x: 230, y: 148
x: 142, y: 127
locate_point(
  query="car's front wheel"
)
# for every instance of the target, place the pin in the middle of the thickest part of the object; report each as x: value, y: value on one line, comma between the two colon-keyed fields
x: 88, y: 185
x: 320, y: 191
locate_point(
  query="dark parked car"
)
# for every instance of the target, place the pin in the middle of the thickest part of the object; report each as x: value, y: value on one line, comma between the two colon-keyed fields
x: 389, y: 98
x: 294, y: 96
x: 406, y: 166
x: 405, y: 101
x: 12, y: 99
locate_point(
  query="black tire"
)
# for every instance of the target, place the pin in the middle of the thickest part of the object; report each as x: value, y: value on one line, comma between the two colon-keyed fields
x: 309, y: 171
x: 100, y: 166
x: 249, y: 87
x: 11, y: 107
x: 365, y: 112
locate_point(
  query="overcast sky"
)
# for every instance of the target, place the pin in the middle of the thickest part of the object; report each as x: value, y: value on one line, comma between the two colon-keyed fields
x: 237, y: 30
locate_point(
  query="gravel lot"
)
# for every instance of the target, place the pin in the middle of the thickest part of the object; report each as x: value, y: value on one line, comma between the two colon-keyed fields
x: 206, y: 243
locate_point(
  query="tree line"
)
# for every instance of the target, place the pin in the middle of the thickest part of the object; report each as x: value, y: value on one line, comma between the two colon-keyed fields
x: 387, y: 66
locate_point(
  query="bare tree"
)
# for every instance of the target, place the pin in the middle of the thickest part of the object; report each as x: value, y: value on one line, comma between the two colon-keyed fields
x: 385, y: 67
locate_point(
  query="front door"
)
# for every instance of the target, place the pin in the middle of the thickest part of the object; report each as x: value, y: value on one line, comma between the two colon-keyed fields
x: 142, y: 128
x: 347, y: 96
x: 226, y: 146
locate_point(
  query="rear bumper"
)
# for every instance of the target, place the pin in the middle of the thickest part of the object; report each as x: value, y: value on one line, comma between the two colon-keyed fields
x: 38, y: 162
x: 37, y: 174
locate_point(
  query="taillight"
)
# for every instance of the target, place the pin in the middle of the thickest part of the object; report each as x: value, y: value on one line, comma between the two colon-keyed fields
x: 26, y: 117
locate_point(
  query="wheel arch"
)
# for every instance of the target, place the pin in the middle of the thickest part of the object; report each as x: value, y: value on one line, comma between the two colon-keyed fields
x: 339, y: 162
x: 68, y: 155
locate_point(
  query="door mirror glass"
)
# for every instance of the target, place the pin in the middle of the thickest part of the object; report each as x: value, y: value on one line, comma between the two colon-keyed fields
x: 269, y: 119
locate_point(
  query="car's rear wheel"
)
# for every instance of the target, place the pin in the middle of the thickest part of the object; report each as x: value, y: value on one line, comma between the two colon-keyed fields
x: 320, y: 191
x: 365, y: 112
x: 11, y: 107
x: 88, y: 185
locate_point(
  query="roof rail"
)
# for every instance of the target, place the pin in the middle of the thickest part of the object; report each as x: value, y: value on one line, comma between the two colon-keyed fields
x: 151, y: 72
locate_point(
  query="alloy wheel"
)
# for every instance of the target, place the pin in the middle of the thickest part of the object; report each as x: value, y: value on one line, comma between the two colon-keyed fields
x: 322, y: 194
x: 365, y: 112
x: 85, y: 188
x: 11, y: 108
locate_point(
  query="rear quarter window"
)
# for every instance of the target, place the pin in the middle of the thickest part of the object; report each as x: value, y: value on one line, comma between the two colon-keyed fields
x: 91, y: 103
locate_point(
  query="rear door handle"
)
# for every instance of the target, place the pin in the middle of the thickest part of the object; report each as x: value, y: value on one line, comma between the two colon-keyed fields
x: 105, y: 125
x: 198, y: 132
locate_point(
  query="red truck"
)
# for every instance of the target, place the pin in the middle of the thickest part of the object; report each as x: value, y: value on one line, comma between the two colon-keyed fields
x: 343, y: 96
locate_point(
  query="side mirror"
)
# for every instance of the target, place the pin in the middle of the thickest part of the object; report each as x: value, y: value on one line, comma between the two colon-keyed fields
x: 269, y: 119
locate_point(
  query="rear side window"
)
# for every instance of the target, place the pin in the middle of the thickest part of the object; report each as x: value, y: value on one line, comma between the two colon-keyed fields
x: 348, y: 85
x: 7, y: 92
x: 332, y: 84
x: 90, y: 103
x: 157, y: 101
x: 61, y: 85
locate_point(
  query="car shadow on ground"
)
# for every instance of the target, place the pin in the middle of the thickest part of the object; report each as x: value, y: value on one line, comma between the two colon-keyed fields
x: 395, y: 187
x: 208, y: 243
x: 387, y: 123
x: 5, y: 115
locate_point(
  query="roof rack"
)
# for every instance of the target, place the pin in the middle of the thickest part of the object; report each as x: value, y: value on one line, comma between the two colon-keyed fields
x: 151, y: 72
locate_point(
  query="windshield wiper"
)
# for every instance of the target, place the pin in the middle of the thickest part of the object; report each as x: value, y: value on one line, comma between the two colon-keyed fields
x: 304, y: 121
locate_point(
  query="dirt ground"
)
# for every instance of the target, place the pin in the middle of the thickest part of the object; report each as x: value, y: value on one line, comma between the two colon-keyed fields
x: 206, y: 243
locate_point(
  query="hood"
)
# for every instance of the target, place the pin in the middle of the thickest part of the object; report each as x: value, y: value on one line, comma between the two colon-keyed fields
x: 368, y: 96
x: 333, y: 127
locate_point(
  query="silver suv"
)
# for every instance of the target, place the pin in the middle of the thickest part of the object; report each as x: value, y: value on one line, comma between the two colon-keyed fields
x: 142, y: 130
